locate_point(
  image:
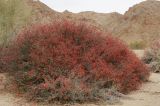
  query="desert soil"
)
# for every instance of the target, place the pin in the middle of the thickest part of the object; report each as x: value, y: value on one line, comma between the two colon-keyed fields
x: 147, y: 95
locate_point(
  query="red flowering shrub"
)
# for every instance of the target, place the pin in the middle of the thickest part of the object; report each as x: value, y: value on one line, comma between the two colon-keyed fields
x: 69, y: 61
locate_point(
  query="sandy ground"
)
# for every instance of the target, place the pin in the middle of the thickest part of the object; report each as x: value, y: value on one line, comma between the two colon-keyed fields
x: 139, y: 53
x: 148, y: 95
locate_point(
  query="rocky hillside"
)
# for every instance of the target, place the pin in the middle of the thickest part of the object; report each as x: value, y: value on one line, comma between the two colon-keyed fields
x: 140, y: 23
x: 106, y: 21
x: 41, y: 13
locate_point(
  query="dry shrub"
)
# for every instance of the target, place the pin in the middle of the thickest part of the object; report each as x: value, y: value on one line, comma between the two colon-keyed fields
x: 152, y: 56
x: 69, y: 61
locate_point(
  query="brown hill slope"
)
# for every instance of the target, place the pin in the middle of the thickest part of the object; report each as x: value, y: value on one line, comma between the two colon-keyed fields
x: 140, y: 23
x: 41, y: 13
x: 106, y: 21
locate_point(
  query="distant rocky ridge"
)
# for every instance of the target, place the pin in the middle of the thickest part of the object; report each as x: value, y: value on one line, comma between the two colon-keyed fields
x: 140, y: 23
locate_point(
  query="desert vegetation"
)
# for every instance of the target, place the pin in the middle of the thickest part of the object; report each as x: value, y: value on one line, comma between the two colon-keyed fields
x: 13, y: 14
x: 137, y: 45
x: 152, y: 56
x: 71, y: 61
x: 61, y: 57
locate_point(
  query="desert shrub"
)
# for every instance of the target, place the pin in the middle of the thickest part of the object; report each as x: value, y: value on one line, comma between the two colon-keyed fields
x: 137, y: 45
x: 152, y: 56
x: 69, y: 61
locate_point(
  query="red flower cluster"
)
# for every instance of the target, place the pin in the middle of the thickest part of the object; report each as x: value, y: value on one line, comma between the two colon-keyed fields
x: 72, y: 61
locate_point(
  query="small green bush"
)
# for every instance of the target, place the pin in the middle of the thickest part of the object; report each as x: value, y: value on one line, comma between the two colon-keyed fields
x: 137, y: 45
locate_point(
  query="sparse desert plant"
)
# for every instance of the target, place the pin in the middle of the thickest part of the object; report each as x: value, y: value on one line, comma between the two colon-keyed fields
x: 13, y: 14
x: 152, y: 56
x: 68, y: 61
x: 137, y: 45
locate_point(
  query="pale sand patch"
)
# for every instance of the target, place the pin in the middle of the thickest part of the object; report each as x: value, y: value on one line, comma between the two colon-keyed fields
x: 139, y: 53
